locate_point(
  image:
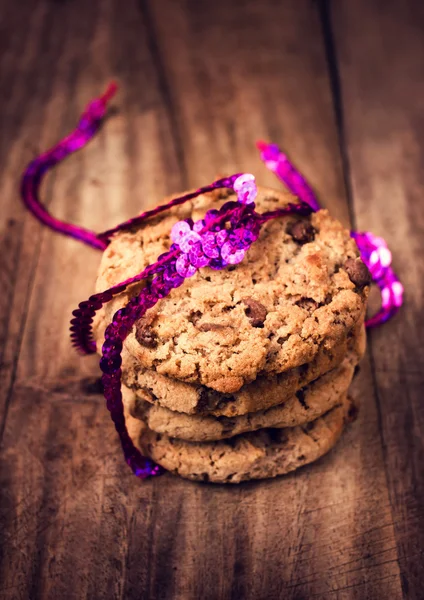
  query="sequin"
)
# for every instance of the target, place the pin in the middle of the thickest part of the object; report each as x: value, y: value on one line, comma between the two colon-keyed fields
x: 232, y: 255
x: 184, y: 266
x: 189, y: 240
x: 179, y: 230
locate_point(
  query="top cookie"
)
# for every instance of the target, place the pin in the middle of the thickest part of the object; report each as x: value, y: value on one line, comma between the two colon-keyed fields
x: 300, y: 287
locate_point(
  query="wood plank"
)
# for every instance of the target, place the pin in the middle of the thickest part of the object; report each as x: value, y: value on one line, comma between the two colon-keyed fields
x: 380, y: 60
x: 21, y: 123
x: 75, y: 522
x: 52, y: 469
x: 116, y: 175
x: 243, y: 74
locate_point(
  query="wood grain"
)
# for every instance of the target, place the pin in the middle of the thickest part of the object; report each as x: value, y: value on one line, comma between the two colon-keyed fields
x: 381, y: 73
x: 239, y: 74
x: 199, y: 84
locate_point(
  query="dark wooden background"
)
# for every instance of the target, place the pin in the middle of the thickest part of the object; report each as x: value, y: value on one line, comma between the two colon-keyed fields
x: 340, y: 85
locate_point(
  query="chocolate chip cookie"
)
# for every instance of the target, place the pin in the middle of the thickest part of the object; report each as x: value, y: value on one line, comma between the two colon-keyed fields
x: 306, y: 405
x: 261, y: 394
x: 295, y: 297
x: 256, y: 455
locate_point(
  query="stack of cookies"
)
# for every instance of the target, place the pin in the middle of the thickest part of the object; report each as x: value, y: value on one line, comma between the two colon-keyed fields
x: 242, y: 373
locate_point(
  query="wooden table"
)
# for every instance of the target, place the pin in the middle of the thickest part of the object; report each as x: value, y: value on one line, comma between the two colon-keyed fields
x: 340, y: 85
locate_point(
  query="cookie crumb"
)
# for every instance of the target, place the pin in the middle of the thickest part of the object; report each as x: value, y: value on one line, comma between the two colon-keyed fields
x: 212, y: 327
x: 195, y: 316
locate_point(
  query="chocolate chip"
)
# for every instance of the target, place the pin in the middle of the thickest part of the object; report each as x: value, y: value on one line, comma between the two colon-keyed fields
x: 145, y: 335
x: 208, y: 399
x: 211, y: 327
x: 255, y: 311
x: 301, y: 231
x: 358, y: 272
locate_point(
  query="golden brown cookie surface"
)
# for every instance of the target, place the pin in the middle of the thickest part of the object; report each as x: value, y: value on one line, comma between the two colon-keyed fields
x: 261, y: 394
x: 256, y: 455
x: 290, y: 300
x: 307, y: 404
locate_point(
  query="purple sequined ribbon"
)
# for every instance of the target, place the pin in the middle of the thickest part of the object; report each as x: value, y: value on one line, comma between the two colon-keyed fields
x: 87, y: 127
x: 374, y: 251
x: 218, y: 240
